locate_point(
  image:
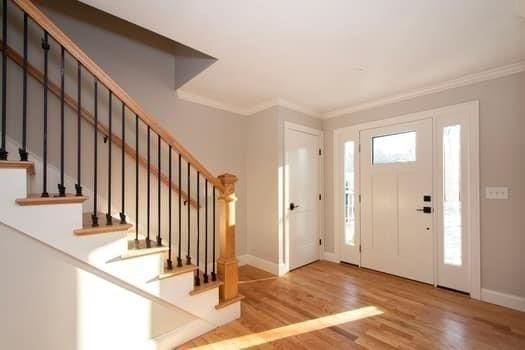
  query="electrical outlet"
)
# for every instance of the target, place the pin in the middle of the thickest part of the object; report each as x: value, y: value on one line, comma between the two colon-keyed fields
x: 497, y: 192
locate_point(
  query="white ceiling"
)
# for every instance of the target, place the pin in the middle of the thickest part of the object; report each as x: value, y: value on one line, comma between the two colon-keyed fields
x: 329, y: 55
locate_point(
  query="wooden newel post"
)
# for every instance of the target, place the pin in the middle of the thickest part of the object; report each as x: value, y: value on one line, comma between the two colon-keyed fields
x: 227, y: 264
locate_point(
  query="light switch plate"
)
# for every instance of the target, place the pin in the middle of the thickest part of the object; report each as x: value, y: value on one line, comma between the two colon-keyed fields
x: 497, y: 192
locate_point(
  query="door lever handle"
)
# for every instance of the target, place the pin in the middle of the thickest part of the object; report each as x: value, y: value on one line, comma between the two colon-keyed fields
x: 426, y: 210
x: 293, y: 206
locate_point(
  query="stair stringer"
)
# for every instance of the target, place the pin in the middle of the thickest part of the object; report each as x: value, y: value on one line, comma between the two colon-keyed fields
x: 102, y: 250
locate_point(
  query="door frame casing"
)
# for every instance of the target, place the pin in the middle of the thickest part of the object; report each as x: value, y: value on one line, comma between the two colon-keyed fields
x: 284, y: 232
x: 469, y: 109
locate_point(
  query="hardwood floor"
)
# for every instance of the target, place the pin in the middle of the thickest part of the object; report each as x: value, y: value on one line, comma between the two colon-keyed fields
x: 336, y: 306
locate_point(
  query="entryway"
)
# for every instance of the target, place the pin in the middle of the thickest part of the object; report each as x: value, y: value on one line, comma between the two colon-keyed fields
x: 407, y: 196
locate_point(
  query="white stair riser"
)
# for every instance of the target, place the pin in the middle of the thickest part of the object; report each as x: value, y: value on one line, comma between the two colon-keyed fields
x: 54, y: 225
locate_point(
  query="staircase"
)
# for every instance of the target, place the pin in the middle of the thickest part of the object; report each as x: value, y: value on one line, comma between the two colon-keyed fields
x: 144, y: 210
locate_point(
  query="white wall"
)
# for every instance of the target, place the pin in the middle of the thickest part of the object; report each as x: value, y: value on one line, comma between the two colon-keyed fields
x: 51, y: 301
x: 502, y: 163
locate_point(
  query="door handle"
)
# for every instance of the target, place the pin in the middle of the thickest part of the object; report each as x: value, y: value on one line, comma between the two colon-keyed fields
x: 293, y: 206
x: 426, y: 210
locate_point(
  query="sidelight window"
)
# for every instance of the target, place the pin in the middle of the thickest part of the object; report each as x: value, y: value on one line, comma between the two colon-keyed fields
x: 452, y: 239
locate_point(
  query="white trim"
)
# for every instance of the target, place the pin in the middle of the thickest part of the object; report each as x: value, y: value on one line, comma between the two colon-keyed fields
x: 262, y: 264
x: 465, y: 80
x: 282, y: 103
x: 243, y: 259
x: 208, y: 102
x: 333, y: 257
x: 472, y: 110
x: 303, y: 128
x: 508, y: 300
x: 475, y: 211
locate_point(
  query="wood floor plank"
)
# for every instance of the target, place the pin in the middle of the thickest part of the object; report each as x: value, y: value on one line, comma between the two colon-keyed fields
x: 306, y: 308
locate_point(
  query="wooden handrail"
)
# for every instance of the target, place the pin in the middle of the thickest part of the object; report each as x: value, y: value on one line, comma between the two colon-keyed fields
x: 72, y: 103
x: 60, y: 37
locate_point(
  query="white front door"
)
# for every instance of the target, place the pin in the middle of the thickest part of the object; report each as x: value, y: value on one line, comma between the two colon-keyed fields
x: 396, y: 188
x: 302, y: 198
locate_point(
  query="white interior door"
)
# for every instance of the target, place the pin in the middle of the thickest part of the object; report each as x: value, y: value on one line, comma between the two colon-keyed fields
x: 396, y: 186
x: 302, y: 200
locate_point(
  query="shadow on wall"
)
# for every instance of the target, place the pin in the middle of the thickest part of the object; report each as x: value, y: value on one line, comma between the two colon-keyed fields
x: 188, y: 62
x: 63, y: 306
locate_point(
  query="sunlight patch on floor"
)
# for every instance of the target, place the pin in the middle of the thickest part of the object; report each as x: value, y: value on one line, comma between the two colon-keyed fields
x: 295, y: 329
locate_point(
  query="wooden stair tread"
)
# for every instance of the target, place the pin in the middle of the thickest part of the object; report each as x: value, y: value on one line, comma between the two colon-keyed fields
x: 225, y: 303
x: 36, y: 199
x: 141, y: 249
x: 87, y: 229
x: 11, y: 164
x: 204, y: 287
x: 177, y: 271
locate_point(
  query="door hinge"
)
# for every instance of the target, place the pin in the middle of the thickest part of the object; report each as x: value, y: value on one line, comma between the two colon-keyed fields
x: 320, y: 152
x: 320, y: 197
x: 360, y: 248
x: 359, y: 148
x: 320, y: 241
x: 359, y: 198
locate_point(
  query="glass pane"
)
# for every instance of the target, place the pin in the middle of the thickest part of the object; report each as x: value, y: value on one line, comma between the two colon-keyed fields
x: 451, y: 199
x: 349, y: 193
x: 395, y: 148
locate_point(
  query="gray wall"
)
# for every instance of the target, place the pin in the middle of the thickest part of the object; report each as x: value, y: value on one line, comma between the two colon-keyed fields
x: 502, y: 163
x: 147, y: 73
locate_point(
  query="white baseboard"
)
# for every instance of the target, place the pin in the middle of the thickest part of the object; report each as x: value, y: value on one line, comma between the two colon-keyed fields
x: 330, y: 257
x: 268, y: 266
x: 508, y: 300
x: 243, y: 259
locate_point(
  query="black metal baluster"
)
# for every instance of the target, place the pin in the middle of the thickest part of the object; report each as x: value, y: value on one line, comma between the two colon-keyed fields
x: 122, y: 161
x: 3, y: 149
x: 23, y: 151
x: 94, y: 217
x: 109, y: 218
x: 197, y: 272
x: 213, y: 275
x: 78, y: 187
x: 61, y: 187
x: 159, y: 210
x: 148, y: 242
x: 188, y: 256
x: 169, y: 262
x: 45, y: 46
x: 179, y: 259
x: 137, y: 180
x: 205, y: 276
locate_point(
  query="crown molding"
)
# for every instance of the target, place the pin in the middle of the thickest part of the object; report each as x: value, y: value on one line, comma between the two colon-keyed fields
x: 430, y: 89
x: 427, y: 90
x: 186, y: 96
x: 208, y: 102
x: 282, y: 103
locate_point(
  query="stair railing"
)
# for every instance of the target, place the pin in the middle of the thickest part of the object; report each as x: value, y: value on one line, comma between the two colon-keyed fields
x: 226, y: 266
